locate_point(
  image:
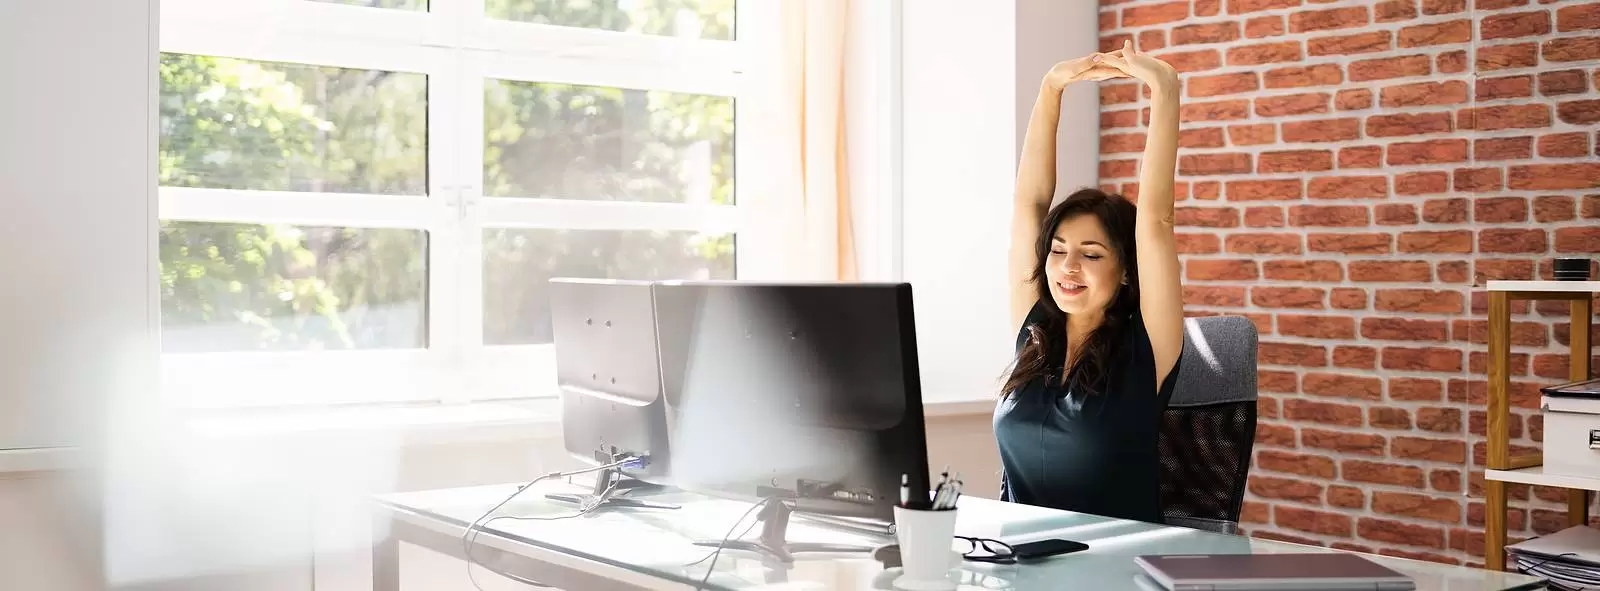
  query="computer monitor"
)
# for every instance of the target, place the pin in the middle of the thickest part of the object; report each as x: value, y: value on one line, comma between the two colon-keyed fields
x: 806, y: 395
x: 610, y: 383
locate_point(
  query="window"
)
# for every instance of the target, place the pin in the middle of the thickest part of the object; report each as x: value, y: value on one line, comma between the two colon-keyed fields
x: 363, y: 200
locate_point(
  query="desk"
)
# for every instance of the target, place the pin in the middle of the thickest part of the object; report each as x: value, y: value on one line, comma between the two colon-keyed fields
x: 641, y: 549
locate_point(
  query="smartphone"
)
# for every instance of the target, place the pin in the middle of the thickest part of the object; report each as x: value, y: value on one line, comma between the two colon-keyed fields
x: 1044, y: 548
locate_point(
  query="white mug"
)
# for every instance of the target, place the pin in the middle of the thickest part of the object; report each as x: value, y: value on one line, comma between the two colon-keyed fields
x: 925, y: 538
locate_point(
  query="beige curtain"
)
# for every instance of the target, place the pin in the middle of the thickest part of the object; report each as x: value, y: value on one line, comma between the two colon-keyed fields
x: 814, y: 192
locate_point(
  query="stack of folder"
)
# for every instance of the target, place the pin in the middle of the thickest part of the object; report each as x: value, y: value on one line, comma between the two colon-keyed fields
x: 1569, y: 558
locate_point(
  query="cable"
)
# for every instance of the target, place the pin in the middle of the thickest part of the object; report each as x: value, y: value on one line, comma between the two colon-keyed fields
x: 706, y: 580
x: 469, y: 538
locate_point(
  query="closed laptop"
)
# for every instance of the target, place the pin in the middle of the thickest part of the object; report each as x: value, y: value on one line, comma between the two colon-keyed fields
x: 1248, y: 572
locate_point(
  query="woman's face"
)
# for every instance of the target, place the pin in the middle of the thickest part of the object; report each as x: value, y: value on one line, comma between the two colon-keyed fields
x: 1082, y: 268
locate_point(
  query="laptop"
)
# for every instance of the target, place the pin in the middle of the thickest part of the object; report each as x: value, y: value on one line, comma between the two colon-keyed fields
x: 1248, y: 572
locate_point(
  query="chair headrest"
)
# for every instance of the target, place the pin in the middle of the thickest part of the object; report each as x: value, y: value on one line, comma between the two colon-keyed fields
x: 1219, y: 361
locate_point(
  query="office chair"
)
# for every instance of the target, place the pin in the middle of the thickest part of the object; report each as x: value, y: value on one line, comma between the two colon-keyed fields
x: 1209, y: 428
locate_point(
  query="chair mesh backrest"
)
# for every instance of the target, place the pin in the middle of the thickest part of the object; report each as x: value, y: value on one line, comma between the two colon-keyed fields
x: 1208, y: 430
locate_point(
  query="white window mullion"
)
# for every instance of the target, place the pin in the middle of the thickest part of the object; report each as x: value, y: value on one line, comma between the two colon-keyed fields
x: 577, y: 214
x: 297, y: 208
x: 470, y: 221
x: 586, y: 71
x: 446, y: 181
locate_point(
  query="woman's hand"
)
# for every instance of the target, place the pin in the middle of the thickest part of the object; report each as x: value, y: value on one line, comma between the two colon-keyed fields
x: 1139, y: 65
x: 1089, y: 67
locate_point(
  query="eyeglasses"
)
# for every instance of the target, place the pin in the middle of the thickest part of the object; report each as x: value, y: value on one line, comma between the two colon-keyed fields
x: 987, y: 550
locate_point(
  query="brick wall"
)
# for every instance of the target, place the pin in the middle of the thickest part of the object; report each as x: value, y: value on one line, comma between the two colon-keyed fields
x: 1349, y: 170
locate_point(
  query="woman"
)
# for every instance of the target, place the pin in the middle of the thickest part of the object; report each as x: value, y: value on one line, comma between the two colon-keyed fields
x: 1095, y: 289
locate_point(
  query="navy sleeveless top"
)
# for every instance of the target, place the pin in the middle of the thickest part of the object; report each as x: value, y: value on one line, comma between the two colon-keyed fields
x: 1096, y: 454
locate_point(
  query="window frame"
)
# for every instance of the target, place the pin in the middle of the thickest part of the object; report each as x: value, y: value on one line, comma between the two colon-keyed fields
x: 458, y: 49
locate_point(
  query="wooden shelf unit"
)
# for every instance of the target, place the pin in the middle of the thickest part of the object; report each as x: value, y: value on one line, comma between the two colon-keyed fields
x: 1502, y: 468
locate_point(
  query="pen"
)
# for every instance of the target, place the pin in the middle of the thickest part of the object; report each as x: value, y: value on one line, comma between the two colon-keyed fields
x: 905, y: 490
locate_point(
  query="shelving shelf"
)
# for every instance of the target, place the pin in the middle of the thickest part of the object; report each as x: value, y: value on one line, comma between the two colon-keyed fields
x: 1503, y: 468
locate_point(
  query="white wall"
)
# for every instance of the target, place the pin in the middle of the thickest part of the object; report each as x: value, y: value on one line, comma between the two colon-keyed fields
x: 77, y: 298
x: 969, y: 78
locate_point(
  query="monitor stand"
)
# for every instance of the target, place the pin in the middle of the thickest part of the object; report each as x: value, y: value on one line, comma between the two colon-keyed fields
x: 774, y: 517
x: 610, y: 488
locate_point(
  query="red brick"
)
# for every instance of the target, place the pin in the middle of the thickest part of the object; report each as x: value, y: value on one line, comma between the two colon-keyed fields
x: 1509, y: 240
x: 1154, y: 14
x: 1207, y: 7
x: 1198, y: 243
x: 1571, y: 49
x: 1347, y: 298
x: 1352, y: 547
x: 1246, y: 6
x: 1206, y: 190
x: 1426, y: 301
x: 1279, y: 435
x: 1214, y: 111
x: 1121, y: 142
x: 1374, y: 41
x: 1267, y: 408
x: 1504, y: 87
x: 1253, y: 512
x: 1343, y: 442
x: 1348, y: 187
x: 1264, y: 26
x: 1207, y: 33
x: 1264, y: 217
x: 1348, y: 497
x: 1350, y: 216
x: 1213, y: 295
x: 1116, y: 94
x: 1459, y: 31
x: 1503, y: 57
x: 1415, y: 389
x: 1200, y: 86
x: 1252, y: 135
x: 1484, y: 270
x: 1322, y: 130
x: 1578, y: 240
x: 1377, y: 473
x: 1213, y: 164
x: 1516, y: 24
x: 1294, y: 104
x: 1591, y: 207
x: 1201, y: 137
x: 1395, y: 532
x: 1152, y: 40
x: 1417, y: 506
x: 1443, y: 6
x: 1293, y: 463
x: 1292, y: 270
x: 1450, y: 92
x: 1303, y: 298
x: 1207, y: 217
x: 1118, y: 168
x: 1394, y: 10
x: 1445, y: 480
x: 1564, y: 145
x: 1442, y: 420
x: 1344, y: 415
x: 1326, y: 20
x: 1288, y: 489
x: 1445, y: 211
x: 1354, y: 99
x: 1582, y: 17
x: 1346, y: 386
x: 1547, y: 177
x: 1453, y: 272
x: 1579, y: 112
x: 1555, y: 208
x: 1193, y: 61
x: 1506, y: 148
x: 1317, y: 522
x: 1496, y: 210
x: 1266, y: 190
x: 1292, y: 354
x: 1445, y: 241
x: 1478, y: 180
x: 1395, y: 214
x: 1351, y: 243
x: 1451, y: 62
x: 1277, y: 381
x: 1295, y: 161
x: 1361, y: 157
x: 1403, y: 329
x: 1316, y: 327
x: 1563, y: 82
x: 1441, y: 151
x: 1468, y: 541
x: 1391, y: 67
x: 1108, y: 21
x: 1526, y: 334
x: 1355, y: 357
x: 1436, y: 359
x: 1116, y: 119
x: 1296, y: 77
x: 1408, y: 124
x: 1421, y: 183
x: 1264, y: 244
x: 1435, y: 450
x: 1503, y: 117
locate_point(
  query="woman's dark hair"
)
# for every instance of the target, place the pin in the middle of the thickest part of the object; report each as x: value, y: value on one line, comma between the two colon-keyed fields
x: 1046, y: 341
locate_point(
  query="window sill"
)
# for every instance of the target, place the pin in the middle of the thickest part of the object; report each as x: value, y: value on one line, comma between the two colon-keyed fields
x: 38, y: 459
x: 415, y: 424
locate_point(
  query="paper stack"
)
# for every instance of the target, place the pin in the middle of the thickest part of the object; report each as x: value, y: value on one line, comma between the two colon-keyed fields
x: 1569, y: 558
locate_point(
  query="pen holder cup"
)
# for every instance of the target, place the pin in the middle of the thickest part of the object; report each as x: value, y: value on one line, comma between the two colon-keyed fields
x: 925, y: 538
